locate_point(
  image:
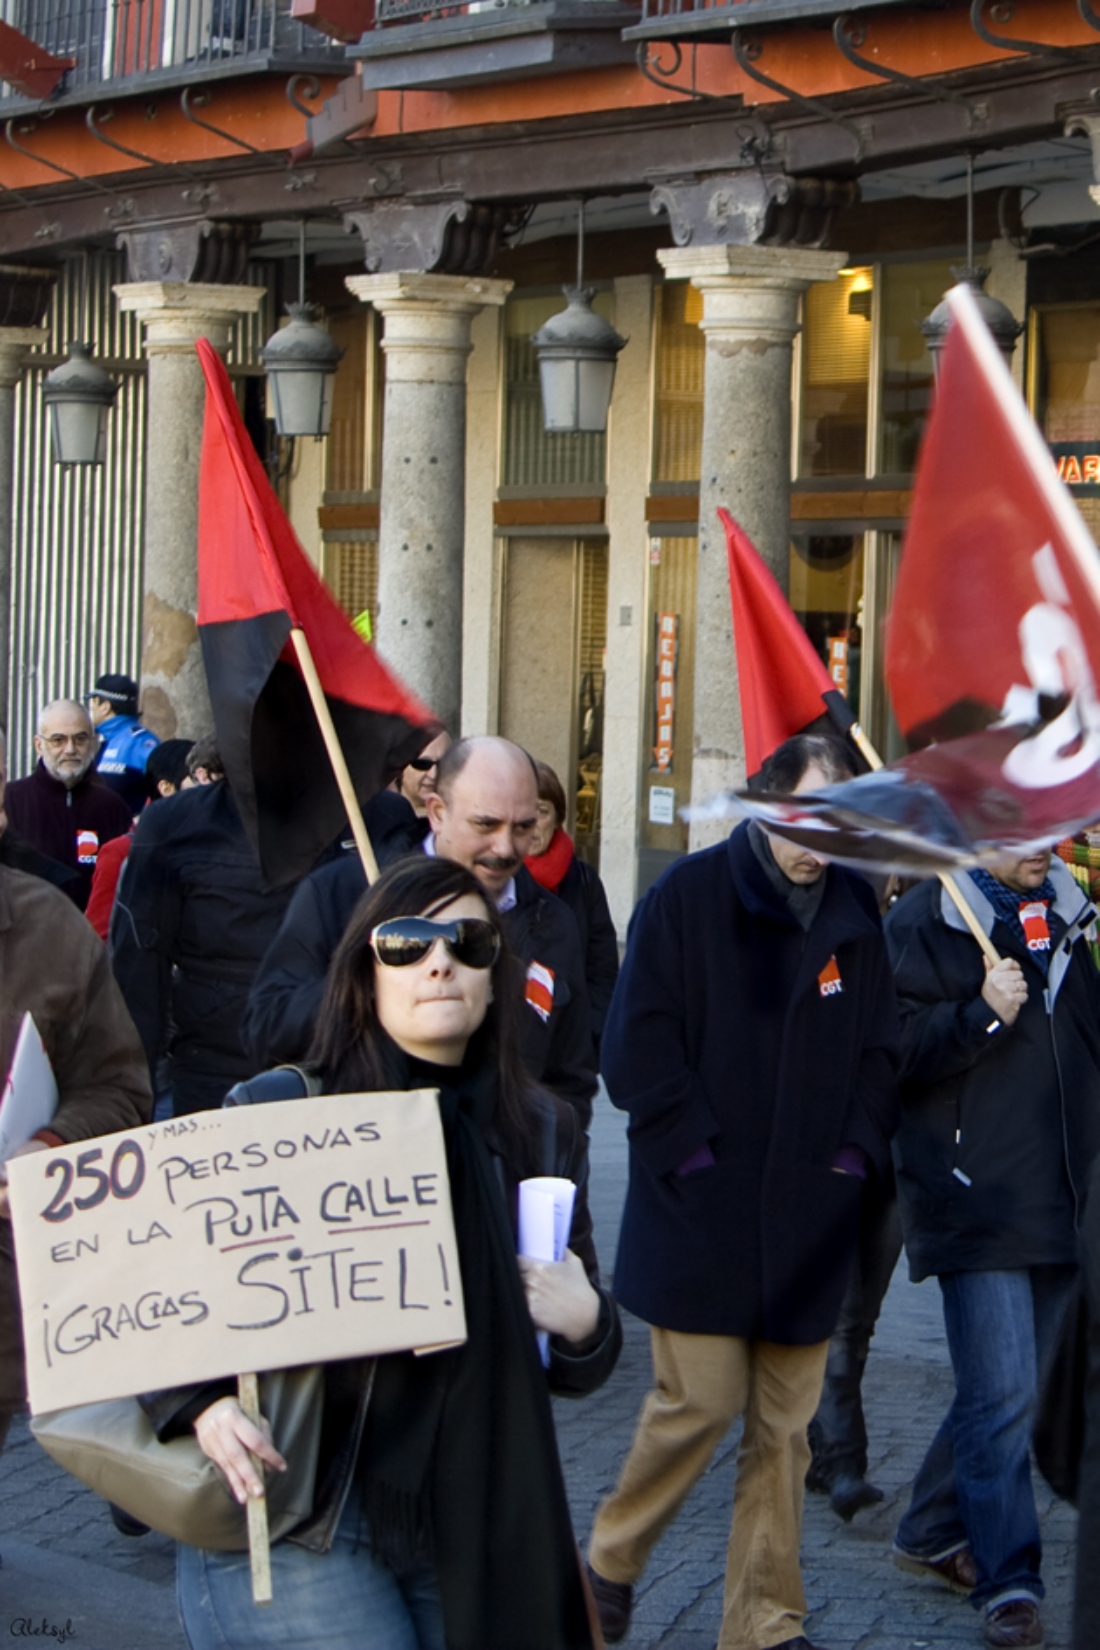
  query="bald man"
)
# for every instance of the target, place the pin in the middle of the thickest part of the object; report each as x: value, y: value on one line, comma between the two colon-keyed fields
x: 63, y: 808
x: 482, y: 814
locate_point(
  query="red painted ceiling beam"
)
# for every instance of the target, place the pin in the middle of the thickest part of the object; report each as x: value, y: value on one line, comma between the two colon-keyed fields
x: 27, y: 67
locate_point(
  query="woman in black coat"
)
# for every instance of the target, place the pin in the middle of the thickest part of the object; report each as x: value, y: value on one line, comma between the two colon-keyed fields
x: 440, y: 1520
x: 555, y: 867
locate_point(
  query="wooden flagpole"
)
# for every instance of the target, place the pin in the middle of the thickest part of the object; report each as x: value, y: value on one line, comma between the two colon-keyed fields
x: 248, y: 1391
x: 871, y: 755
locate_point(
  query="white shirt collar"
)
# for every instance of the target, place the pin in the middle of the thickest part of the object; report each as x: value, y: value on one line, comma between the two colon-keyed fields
x: 507, y: 900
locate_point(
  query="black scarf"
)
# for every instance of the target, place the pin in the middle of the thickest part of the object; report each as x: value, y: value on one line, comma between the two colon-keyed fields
x: 459, y: 1459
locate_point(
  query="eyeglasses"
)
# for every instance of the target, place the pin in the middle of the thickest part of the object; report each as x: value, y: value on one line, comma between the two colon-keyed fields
x: 471, y: 941
x: 423, y: 764
x: 58, y: 741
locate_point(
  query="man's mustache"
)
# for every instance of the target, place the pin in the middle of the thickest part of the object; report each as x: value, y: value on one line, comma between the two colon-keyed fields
x: 493, y: 862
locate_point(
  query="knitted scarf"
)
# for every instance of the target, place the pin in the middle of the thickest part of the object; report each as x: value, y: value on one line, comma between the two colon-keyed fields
x: 459, y: 1459
x: 1006, y: 906
x: 549, y: 868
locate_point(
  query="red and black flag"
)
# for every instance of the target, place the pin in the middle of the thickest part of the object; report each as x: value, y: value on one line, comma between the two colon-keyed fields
x: 256, y: 585
x: 784, y: 686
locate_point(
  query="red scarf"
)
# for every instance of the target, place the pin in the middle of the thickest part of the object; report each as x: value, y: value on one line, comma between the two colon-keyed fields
x: 549, y: 868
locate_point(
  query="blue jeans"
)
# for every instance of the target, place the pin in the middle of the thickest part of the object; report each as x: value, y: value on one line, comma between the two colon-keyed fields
x: 974, y: 1487
x: 345, y: 1599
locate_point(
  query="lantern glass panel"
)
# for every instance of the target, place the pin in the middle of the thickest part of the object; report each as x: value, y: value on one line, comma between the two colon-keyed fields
x: 595, y: 380
x: 559, y: 394
x: 303, y: 401
x: 78, y: 432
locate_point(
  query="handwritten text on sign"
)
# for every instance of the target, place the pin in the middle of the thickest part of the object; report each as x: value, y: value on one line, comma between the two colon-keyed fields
x: 246, y: 1239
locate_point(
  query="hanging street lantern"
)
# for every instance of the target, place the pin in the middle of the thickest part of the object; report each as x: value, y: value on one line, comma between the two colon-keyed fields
x: 577, y: 351
x: 79, y: 395
x: 301, y: 361
x: 997, y: 317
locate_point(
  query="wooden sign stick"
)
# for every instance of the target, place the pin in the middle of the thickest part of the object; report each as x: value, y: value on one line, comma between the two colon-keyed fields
x: 989, y: 950
x: 259, y: 1546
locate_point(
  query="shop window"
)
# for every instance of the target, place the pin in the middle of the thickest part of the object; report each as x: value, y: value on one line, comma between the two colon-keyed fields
x: 353, y: 450
x: 352, y: 572
x: 826, y: 593
x: 910, y: 292
x: 836, y: 375
x: 681, y: 360
x: 670, y: 676
x: 532, y: 458
x: 554, y: 640
x: 1064, y: 353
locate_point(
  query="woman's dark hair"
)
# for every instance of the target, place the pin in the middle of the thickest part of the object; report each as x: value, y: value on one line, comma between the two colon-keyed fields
x: 346, y: 1044
x: 168, y: 760
x: 550, y: 790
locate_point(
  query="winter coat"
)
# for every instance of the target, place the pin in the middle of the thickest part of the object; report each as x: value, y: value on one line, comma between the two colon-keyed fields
x: 290, y: 983
x: 125, y: 750
x: 583, y: 892
x: 731, y: 1027
x: 53, y: 965
x: 67, y: 825
x: 573, y: 1371
x: 193, y: 916
x: 999, y: 1126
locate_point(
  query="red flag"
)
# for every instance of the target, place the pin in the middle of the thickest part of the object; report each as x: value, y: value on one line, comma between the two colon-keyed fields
x: 256, y: 584
x: 784, y: 686
x: 996, y: 611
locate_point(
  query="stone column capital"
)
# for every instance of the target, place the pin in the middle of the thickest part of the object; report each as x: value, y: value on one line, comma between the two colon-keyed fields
x: 15, y: 345
x: 176, y: 314
x: 427, y: 332
x: 751, y: 291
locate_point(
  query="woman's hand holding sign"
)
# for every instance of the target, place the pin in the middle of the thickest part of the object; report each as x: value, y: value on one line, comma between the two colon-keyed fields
x: 229, y: 1438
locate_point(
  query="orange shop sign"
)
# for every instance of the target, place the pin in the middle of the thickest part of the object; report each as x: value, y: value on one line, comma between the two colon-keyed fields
x: 664, y: 688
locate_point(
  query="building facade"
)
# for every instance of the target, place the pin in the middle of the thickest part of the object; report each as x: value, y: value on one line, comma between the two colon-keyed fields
x: 776, y: 196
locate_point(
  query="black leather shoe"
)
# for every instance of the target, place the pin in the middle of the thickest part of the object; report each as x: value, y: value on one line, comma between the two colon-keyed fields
x: 125, y: 1523
x: 614, y: 1603
x: 1016, y: 1625
x: 851, y: 1493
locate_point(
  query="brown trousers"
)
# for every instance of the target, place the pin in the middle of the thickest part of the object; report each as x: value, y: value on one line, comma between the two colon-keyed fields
x: 702, y: 1384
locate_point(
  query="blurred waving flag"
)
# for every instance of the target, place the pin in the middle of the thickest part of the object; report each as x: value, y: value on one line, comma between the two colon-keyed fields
x: 993, y: 648
x: 785, y: 688
x: 256, y: 584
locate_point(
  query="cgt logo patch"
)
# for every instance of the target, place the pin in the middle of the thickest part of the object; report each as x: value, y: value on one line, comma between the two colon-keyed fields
x: 829, y: 983
x: 1033, y: 918
x: 87, y: 847
x: 540, y: 989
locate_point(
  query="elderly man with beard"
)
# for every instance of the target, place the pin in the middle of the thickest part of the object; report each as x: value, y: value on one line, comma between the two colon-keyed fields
x: 63, y: 808
x: 481, y: 813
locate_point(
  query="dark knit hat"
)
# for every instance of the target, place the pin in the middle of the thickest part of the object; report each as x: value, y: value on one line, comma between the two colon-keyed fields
x: 120, y: 691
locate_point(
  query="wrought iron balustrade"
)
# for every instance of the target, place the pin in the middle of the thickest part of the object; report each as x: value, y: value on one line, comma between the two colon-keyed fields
x: 119, y: 44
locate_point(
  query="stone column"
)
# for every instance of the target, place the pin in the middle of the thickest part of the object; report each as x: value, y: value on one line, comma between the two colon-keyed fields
x: 422, y: 528
x: 175, y: 315
x: 15, y: 345
x: 750, y: 317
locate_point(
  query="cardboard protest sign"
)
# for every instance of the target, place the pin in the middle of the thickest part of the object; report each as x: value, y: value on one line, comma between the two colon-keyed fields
x: 253, y: 1238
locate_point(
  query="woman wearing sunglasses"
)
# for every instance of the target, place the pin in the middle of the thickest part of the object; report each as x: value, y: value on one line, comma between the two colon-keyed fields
x: 440, y: 1520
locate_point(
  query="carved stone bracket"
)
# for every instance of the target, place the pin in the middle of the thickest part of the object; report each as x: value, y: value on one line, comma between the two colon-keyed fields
x: 205, y: 250
x: 1084, y: 121
x: 759, y: 205
x: 444, y: 235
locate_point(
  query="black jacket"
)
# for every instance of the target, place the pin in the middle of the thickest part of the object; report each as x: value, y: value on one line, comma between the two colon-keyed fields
x: 69, y: 826
x: 998, y: 1128
x: 581, y: 889
x: 290, y: 983
x: 192, y: 918
x: 572, y: 1371
x: 722, y: 1032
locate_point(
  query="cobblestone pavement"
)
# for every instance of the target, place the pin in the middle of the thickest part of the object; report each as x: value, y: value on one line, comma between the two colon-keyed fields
x: 64, y: 1563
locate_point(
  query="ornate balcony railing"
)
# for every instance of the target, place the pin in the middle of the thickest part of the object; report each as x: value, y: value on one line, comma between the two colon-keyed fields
x: 121, y: 44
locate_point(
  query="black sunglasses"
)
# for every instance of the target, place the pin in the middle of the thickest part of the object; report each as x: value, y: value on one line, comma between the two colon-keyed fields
x: 471, y: 941
x: 423, y: 764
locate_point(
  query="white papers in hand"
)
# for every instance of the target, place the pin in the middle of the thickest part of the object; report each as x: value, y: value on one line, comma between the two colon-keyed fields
x: 29, y: 1098
x: 545, y: 1221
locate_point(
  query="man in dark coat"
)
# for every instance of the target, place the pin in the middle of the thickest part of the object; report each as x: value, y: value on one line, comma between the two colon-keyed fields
x: 481, y: 814
x: 1000, y: 1123
x: 752, y: 1039
x: 192, y: 918
x: 63, y: 809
